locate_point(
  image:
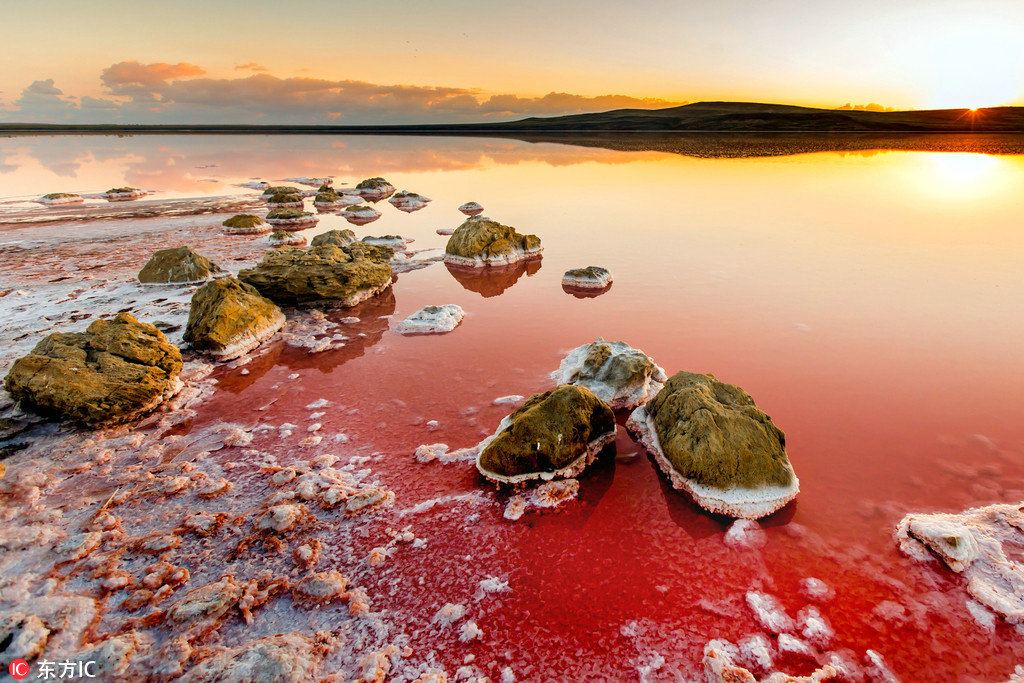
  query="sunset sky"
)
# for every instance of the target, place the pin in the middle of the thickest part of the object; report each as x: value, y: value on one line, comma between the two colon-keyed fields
x: 461, y: 60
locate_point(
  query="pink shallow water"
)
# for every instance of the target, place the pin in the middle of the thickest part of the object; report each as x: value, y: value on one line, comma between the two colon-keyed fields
x: 869, y: 303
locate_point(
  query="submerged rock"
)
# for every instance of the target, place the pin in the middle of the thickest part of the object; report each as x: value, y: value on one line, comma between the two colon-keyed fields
x: 292, y: 219
x: 245, y: 224
x: 471, y: 209
x: 375, y: 189
x: 285, y: 201
x: 229, y: 318
x: 123, y: 194
x: 483, y: 242
x: 280, y: 238
x: 981, y: 544
x: 57, y: 198
x: 115, y: 371
x: 360, y: 214
x: 178, y: 266
x: 552, y: 435
x: 326, y: 274
x: 339, y: 238
x: 432, y: 320
x: 713, y: 442
x: 591, y: 277
x: 408, y: 201
x: 618, y: 374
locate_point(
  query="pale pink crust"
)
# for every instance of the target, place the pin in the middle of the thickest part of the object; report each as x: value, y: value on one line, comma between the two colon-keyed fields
x: 75, y: 199
x: 294, y: 224
x: 505, y: 260
x: 736, y: 502
x: 284, y: 205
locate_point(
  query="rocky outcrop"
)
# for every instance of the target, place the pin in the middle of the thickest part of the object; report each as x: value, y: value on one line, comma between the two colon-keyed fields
x: 360, y: 214
x: 552, y: 435
x: 408, y: 201
x: 178, y: 266
x: 432, y: 320
x: 245, y: 224
x: 123, y: 194
x: 291, y: 219
x: 229, y: 318
x: 58, y: 198
x: 483, y: 242
x: 339, y: 238
x: 471, y: 209
x: 325, y: 275
x: 618, y: 374
x: 280, y: 238
x: 591, y: 277
x: 375, y: 189
x: 115, y: 371
x: 982, y: 545
x: 713, y: 443
x: 285, y: 201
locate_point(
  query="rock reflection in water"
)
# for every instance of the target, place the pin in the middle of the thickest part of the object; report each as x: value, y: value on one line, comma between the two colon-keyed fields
x: 492, y: 281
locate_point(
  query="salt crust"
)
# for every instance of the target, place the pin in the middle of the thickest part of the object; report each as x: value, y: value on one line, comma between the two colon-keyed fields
x: 440, y: 320
x: 735, y: 502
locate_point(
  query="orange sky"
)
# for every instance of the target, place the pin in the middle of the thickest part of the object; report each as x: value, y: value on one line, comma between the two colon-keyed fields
x: 916, y: 53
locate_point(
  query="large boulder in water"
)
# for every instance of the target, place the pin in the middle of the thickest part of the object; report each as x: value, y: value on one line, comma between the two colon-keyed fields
x: 554, y: 434
x: 229, y: 318
x: 339, y: 238
x: 115, y: 371
x: 483, y: 242
x: 713, y: 442
x: 621, y: 376
x: 178, y: 266
x: 325, y: 275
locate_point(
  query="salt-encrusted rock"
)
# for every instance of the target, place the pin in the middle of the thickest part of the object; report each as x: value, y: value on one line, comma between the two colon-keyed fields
x: 471, y: 209
x: 123, y: 194
x: 178, y: 266
x: 280, y: 238
x: 280, y: 189
x: 553, y: 435
x: 339, y: 238
x: 621, y: 376
x: 432, y: 320
x: 396, y: 242
x: 548, y: 495
x: 591, y: 277
x: 292, y: 219
x: 58, y: 198
x: 229, y: 318
x: 245, y: 224
x: 981, y: 544
x: 713, y: 443
x: 483, y: 242
x: 115, y: 371
x: 324, y: 275
x: 327, y: 199
x: 22, y: 636
x: 375, y: 189
x: 408, y: 201
x: 284, y: 201
x: 360, y: 214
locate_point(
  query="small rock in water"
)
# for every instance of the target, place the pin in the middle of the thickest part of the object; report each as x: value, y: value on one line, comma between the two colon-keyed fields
x: 471, y: 209
x: 432, y: 320
x: 591, y: 277
x: 621, y: 376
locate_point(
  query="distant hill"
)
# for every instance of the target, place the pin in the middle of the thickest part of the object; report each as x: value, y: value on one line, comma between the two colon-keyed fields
x: 711, y: 117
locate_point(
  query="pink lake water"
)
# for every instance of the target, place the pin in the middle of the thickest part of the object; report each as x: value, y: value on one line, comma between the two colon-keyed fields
x: 870, y: 302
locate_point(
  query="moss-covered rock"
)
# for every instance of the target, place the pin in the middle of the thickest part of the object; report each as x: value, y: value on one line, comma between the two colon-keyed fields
x: 360, y: 214
x: 229, y: 318
x: 115, y: 371
x: 326, y: 187
x: 283, y: 237
x: 245, y: 224
x: 55, y: 198
x: 178, y: 266
x: 618, y: 374
x: 712, y: 441
x: 326, y: 275
x: 328, y: 197
x: 291, y: 219
x: 285, y: 200
x: 554, y: 434
x: 483, y: 242
x: 340, y: 238
x: 376, y: 183
x: 123, y: 193
x: 281, y: 189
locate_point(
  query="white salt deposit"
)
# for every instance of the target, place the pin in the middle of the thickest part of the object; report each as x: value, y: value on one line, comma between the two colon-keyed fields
x: 745, y: 534
x: 769, y: 612
x: 432, y: 320
x: 608, y: 380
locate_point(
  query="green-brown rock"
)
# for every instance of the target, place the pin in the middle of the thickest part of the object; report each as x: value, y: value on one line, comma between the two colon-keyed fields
x: 229, y: 318
x: 325, y: 274
x: 280, y: 189
x: 547, y: 433
x: 481, y: 241
x: 339, y: 238
x: 283, y: 198
x: 115, y: 371
x: 180, y: 265
x: 713, y: 433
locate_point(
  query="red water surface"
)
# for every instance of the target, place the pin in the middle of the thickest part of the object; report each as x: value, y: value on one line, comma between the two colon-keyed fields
x: 869, y: 303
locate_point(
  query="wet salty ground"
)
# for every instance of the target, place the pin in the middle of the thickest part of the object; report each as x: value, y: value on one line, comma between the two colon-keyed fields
x: 629, y: 580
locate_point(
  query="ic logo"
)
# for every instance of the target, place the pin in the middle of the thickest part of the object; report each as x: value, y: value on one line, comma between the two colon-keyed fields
x: 19, y: 668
